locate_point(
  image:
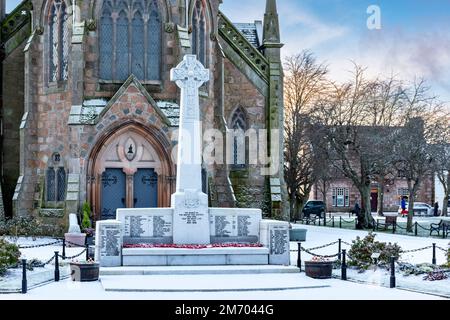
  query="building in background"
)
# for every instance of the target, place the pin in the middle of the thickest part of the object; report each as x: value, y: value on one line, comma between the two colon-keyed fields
x: 88, y: 109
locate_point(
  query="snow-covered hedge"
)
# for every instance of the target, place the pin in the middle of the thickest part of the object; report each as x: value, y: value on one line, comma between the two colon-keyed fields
x: 362, y: 250
x: 9, y: 255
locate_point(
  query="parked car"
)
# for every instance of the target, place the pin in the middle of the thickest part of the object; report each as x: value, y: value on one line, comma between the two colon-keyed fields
x: 314, y: 207
x: 420, y: 209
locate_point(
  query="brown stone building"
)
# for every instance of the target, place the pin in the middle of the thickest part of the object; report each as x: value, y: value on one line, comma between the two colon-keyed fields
x: 89, y: 113
x: 342, y: 194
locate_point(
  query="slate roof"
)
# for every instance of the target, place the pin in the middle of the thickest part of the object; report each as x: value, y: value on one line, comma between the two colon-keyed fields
x: 89, y: 111
x: 250, y: 32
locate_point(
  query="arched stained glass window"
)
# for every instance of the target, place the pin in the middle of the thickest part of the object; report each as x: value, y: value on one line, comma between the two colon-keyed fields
x: 199, y: 31
x: 59, y: 35
x: 51, y: 185
x: 240, y: 126
x: 130, y: 40
x: 55, y: 180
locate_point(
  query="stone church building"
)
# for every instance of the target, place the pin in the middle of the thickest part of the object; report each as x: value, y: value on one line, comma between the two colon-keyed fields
x: 89, y: 114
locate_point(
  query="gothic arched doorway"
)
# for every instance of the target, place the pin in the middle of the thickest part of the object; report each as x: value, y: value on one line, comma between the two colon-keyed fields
x: 129, y: 168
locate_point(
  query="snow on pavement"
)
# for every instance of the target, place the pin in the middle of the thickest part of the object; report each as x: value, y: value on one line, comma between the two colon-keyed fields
x: 317, y: 236
x: 338, y: 290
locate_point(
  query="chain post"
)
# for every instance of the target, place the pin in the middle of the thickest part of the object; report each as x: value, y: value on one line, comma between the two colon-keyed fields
x: 392, y: 282
x: 64, y: 249
x: 344, y: 266
x: 56, y: 266
x: 24, y: 276
x: 415, y: 228
x: 433, y: 261
x: 299, y: 256
x: 339, y: 249
x: 340, y: 222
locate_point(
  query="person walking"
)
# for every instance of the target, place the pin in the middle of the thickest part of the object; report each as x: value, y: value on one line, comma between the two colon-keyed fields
x: 403, y: 205
x: 436, y: 209
x: 357, y: 209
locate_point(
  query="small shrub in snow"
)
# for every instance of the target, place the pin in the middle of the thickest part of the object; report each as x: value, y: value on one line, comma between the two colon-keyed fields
x: 416, y: 269
x: 435, y: 276
x: 28, y: 227
x: 448, y: 256
x: 362, y: 250
x: 9, y: 255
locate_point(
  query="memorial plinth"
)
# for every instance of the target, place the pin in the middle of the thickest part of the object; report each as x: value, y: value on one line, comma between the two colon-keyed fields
x: 189, y: 221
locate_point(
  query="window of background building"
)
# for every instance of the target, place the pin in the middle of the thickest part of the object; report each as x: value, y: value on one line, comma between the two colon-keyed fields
x: 341, y: 197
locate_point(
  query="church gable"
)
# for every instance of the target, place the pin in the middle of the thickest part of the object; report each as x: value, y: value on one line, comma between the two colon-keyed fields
x: 130, y: 99
x: 239, y: 43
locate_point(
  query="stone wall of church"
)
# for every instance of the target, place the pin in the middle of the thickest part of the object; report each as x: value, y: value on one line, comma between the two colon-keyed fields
x: 12, y: 112
x: 47, y: 130
x: 248, y: 183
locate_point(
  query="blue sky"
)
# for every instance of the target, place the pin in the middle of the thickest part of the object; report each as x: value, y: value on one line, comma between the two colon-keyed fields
x: 414, y: 39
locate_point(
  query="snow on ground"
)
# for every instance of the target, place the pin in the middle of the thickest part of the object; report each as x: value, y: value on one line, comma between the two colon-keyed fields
x: 337, y: 290
x: 12, y: 282
x: 42, y: 253
x: 317, y: 236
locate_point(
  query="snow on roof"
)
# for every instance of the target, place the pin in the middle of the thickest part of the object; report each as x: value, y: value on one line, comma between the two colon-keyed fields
x: 250, y: 32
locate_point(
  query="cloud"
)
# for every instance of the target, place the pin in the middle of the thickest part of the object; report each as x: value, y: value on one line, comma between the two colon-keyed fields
x: 300, y: 29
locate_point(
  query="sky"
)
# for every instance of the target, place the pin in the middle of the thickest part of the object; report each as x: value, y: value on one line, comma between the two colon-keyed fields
x: 413, y: 41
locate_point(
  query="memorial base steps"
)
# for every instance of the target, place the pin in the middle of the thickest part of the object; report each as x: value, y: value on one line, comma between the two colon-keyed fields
x: 194, y: 257
x: 209, y: 283
x: 197, y: 270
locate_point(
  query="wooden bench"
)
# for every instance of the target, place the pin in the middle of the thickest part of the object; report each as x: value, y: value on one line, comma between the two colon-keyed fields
x: 390, y: 220
x: 443, y: 226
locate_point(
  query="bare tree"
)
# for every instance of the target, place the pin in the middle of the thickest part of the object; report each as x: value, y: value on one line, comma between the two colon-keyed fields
x: 305, y: 81
x: 413, y: 151
x: 441, y: 165
x: 345, y: 116
x: 440, y: 149
x: 362, y: 117
x: 386, y: 106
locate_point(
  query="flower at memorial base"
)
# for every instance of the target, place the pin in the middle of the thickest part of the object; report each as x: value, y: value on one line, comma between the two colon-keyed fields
x: 89, y: 232
x: 89, y: 261
x: 319, y: 259
x: 193, y: 246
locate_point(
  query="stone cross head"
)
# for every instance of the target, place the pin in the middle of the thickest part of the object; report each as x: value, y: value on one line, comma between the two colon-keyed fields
x: 190, y: 73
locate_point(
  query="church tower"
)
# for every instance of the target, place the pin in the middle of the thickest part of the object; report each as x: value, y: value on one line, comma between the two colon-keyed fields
x: 271, y: 47
x: 2, y: 9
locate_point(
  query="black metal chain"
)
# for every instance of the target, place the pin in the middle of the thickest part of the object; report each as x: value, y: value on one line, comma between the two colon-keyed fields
x: 75, y: 244
x: 416, y: 250
x: 442, y: 249
x: 352, y: 221
x: 398, y: 226
x: 72, y: 257
x: 349, y: 256
x: 427, y: 229
x: 324, y: 246
x: 319, y: 255
x: 40, y: 245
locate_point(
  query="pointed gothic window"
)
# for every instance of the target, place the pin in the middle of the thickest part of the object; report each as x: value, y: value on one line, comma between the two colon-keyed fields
x: 199, y: 31
x: 239, y: 125
x: 130, y: 40
x: 59, y: 33
x: 55, y: 180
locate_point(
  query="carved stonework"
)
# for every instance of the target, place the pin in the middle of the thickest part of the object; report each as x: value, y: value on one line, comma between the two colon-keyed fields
x: 192, y: 200
x: 190, y: 75
x: 39, y: 30
x: 91, y: 25
x: 169, y: 27
x: 51, y: 213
